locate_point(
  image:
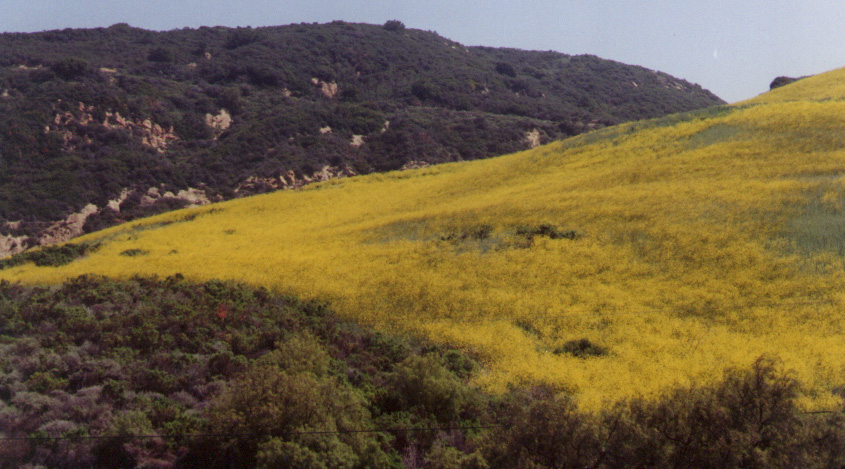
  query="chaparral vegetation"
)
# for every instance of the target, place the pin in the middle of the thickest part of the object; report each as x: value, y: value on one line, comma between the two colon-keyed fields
x: 153, y: 372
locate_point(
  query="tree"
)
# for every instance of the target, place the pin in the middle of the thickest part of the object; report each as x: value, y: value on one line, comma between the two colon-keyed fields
x: 394, y: 25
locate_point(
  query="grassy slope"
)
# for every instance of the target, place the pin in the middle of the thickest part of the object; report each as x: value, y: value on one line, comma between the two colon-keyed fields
x: 708, y: 239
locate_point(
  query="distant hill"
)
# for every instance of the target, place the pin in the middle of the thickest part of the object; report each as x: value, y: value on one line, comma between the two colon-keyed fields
x: 119, y: 122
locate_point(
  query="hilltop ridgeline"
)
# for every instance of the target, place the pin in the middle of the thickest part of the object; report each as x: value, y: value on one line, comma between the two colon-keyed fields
x: 118, y: 121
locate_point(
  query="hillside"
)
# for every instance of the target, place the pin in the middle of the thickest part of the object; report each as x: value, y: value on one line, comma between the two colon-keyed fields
x: 115, y: 123
x: 168, y: 373
x: 618, y: 263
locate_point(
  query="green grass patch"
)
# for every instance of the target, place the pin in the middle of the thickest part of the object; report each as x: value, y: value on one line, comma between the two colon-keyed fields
x: 819, y: 225
x: 715, y: 134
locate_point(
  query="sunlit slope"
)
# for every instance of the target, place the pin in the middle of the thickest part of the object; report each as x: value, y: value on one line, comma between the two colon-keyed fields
x: 701, y: 241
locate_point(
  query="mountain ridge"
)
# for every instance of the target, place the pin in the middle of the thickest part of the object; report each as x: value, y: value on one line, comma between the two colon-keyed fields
x: 89, y: 114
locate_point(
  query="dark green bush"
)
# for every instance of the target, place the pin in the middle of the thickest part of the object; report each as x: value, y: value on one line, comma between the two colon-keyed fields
x: 70, y: 68
x: 50, y: 256
x: 134, y: 252
x: 161, y: 54
x: 750, y: 419
x: 548, y: 231
x: 505, y: 69
x: 582, y: 348
x: 394, y: 25
x: 423, y: 385
x: 145, y: 356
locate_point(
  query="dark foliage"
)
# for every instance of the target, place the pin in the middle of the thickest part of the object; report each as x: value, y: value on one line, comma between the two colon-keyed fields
x: 548, y: 231
x: 52, y: 256
x: 783, y: 81
x: 134, y: 252
x: 161, y: 54
x: 394, y: 25
x: 166, y: 357
x: 70, y: 68
x: 581, y: 348
x: 284, y: 383
x: 748, y: 420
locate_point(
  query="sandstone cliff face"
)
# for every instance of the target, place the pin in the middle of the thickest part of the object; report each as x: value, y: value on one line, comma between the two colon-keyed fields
x: 73, y: 225
x: 219, y: 123
x: 414, y: 165
x: 66, y: 124
x: 532, y: 138
x: 288, y: 180
x: 329, y: 89
x: 10, y: 245
x: 68, y: 228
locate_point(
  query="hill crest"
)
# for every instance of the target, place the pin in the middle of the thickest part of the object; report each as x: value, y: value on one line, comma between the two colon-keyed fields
x: 86, y: 115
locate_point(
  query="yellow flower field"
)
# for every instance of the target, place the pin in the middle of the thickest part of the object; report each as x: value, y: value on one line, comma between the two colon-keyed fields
x: 688, y: 244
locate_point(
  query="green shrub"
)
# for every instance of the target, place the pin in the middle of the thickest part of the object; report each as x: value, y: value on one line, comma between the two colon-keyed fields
x: 582, y: 348
x: 546, y: 230
x: 394, y: 25
x: 424, y: 385
x: 50, y: 256
x: 70, y: 68
x: 161, y: 54
x: 134, y: 252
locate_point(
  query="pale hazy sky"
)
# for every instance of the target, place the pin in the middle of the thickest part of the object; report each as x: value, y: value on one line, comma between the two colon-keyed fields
x: 733, y: 48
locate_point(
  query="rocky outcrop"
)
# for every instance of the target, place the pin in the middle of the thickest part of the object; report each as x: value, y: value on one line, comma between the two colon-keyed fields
x: 138, y: 199
x: 329, y: 89
x: 68, y: 228
x: 10, y: 245
x: 74, y: 224
x: 669, y: 82
x: 289, y: 180
x: 532, y: 138
x: 414, y: 165
x: 151, y: 134
x: 65, y: 123
x: 219, y: 123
